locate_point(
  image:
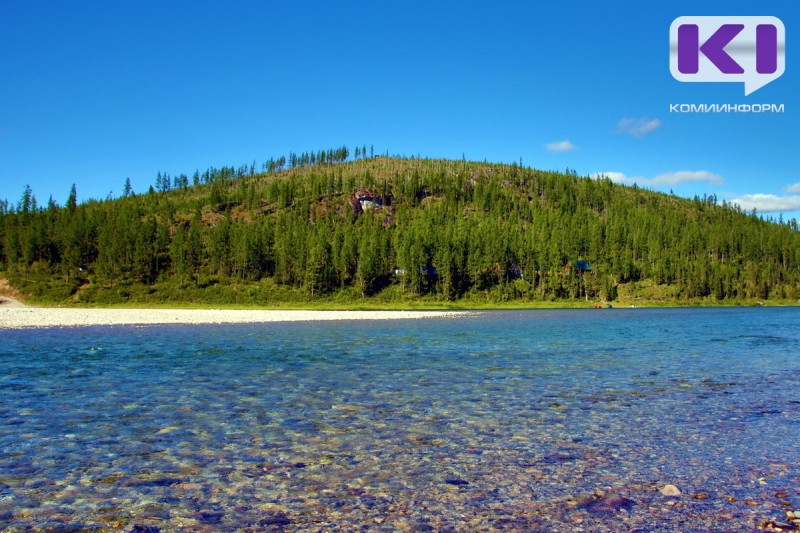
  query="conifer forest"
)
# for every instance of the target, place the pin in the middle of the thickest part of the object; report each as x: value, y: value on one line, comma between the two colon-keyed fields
x: 337, y: 226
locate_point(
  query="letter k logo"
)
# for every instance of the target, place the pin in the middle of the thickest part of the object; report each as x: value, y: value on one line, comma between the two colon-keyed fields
x: 689, y: 48
x: 747, y: 49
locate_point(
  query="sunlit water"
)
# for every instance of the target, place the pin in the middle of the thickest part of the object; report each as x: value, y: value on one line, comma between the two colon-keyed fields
x: 501, y: 421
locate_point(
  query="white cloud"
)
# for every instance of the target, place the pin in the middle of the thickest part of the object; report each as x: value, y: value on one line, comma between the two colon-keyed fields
x: 638, y: 127
x: 768, y: 203
x: 616, y: 177
x: 686, y: 176
x: 667, y: 178
x: 560, y: 146
x: 763, y: 203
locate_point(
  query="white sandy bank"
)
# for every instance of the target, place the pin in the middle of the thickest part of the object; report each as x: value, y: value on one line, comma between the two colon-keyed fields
x: 39, y: 317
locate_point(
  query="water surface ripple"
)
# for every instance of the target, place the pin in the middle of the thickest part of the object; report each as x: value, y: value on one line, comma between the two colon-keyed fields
x: 503, y: 421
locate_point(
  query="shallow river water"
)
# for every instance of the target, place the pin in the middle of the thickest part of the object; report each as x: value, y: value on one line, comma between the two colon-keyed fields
x: 498, y: 421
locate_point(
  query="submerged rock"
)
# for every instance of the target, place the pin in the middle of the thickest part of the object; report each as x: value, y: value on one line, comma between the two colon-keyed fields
x: 70, y: 528
x: 610, y: 504
x: 556, y: 458
x: 205, y: 517
x: 276, y: 519
x: 670, y: 490
x: 158, y: 482
x: 139, y: 528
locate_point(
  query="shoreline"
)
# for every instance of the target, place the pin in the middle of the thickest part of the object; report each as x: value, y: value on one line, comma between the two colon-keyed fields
x: 19, y: 316
x: 15, y: 314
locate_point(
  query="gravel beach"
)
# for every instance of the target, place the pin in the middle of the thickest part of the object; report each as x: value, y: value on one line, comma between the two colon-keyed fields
x: 15, y: 315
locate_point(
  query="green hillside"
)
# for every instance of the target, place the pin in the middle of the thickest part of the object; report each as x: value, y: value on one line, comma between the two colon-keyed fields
x: 325, y: 229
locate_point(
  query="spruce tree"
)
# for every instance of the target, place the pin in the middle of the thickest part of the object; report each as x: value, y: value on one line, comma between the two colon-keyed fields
x: 72, y: 200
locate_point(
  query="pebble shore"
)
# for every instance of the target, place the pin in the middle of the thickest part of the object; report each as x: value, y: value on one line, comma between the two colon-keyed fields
x: 15, y: 316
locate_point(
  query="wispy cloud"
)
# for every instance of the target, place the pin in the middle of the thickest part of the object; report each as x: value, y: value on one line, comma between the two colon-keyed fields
x: 560, y: 146
x: 667, y: 178
x: 616, y: 177
x: 768, y: 203
x: 794, y: 187
x: 638, y: 127
x: 686, y: 176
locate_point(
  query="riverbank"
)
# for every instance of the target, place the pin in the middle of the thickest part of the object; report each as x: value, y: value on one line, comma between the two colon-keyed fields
x: 14, y: 315
x: 7, y: 302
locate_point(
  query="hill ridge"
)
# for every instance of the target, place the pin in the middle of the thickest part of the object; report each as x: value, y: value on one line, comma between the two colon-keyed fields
x: 434, y: 230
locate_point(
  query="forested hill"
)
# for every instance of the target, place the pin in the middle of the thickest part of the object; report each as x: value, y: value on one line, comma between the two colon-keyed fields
x: 375, y: 230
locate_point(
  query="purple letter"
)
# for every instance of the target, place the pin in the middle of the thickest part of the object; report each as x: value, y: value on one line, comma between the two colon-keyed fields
x: 714, y: 49
x: 766, y: 49
x: 688, y: 45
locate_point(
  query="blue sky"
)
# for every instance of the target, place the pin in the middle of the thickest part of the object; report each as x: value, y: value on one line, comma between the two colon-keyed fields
x: 94, y: 92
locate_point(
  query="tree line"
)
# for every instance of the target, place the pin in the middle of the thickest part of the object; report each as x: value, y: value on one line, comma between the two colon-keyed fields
x: 445, y: 229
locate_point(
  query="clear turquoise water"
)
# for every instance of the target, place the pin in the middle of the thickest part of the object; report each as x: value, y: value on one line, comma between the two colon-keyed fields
x: 501, y: 421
